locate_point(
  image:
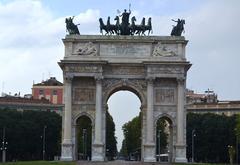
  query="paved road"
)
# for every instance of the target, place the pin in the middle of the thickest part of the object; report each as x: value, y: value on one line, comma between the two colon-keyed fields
x: 118, y: 162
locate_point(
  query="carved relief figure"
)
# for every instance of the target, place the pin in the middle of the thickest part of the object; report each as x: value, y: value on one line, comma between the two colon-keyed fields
x: 162, y: 50
x: 88, y: 49
x: 165, y: 96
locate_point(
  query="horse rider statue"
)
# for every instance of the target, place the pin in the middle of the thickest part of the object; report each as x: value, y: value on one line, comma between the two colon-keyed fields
x: 71, y: 27
x: 179, y: 28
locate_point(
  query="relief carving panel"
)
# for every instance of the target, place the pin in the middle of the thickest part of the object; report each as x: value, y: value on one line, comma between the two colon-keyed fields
x: 84, y: 68
x: 124, y: 70
x: 165, y: 96
x: 86, y: 95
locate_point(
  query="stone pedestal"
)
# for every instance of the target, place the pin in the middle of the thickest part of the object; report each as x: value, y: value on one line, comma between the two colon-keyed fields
x: 180, y: 154
x: 149, y: 153
x: 98, y: 153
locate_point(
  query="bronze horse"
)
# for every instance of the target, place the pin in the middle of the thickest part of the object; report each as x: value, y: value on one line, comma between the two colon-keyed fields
x: 179, y: 28
x: 140, y: 29
x: 110, y: 28
x: 71, y: 27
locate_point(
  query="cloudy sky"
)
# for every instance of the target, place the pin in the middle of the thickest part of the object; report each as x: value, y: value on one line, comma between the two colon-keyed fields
x: 31, y: 33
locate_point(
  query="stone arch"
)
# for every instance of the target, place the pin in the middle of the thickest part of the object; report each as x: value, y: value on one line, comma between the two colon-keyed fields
x: 172, y: 136
x: 125, y: 86
x: 167, y: 116
x: 87, y: 153
x: 83, y: 114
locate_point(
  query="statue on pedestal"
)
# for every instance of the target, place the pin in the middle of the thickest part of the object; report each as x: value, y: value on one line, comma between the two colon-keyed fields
x: 71, y: 27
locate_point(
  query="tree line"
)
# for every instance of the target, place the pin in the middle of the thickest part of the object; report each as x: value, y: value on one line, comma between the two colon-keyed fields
x: 24, y: 131
x: 214, y: 135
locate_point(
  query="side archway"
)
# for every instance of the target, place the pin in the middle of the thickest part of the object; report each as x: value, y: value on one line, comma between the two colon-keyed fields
x: 83, y: 137
x: 164, y: 137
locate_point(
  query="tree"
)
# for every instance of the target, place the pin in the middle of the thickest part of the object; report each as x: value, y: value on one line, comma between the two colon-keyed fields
x: 24, y: 132
x: 161, y: 126
x: 111, y: 142
x: 213, y: 135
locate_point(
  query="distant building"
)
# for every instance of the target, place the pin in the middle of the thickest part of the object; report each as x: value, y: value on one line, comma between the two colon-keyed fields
x: 209, y: 103
x: 50, y: 89
x: 21, y: 104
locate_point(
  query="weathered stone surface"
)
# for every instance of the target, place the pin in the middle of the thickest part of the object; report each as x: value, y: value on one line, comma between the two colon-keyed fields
x: 153, y: 67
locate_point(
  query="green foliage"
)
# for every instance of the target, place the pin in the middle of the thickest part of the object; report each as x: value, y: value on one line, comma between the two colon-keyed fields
x: 24, y: 132
x: 132, y: 135
x: 111, y: 142
x: 161, y: 126
x: 213, y: 135
x: 84, y: 139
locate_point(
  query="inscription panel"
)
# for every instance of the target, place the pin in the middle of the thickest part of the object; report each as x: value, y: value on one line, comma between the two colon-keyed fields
x: 165, y: 96
x: 125, y: 49
x: 84, y: 95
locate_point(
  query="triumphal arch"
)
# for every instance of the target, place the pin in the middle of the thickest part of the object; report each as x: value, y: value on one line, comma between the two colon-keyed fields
x: 153, y: 67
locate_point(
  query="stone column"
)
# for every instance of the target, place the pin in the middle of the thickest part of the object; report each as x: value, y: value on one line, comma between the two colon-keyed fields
x: 67, y: 145
x: 181, y: 117
x: 98, y: 147
x: 149, y: 151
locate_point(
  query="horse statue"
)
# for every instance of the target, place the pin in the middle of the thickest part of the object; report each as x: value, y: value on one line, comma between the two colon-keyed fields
x: 137, y: 29
x: 71, y: 27
x: 149, y: 26
x: 141, y: 27
x: 117, y: 26
x: 103, y: 27
x: 179, y: 28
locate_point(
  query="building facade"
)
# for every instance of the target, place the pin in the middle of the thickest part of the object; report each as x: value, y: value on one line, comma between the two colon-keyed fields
x: 50, y: 89
x: 208, y: 103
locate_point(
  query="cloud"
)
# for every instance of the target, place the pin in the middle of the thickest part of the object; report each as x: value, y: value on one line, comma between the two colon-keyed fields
x: 30, y: 43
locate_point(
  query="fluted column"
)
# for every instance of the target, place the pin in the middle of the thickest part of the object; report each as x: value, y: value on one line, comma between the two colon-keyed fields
x: 181, y: 117
x: 98, y: 119
x: 98, y: 146
x: 67, y: 152
x: 150, y: 110
x: 149, y: 146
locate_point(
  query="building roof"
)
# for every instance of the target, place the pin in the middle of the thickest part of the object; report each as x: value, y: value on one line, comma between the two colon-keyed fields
x: 22, y: 100
x: 50, y: 82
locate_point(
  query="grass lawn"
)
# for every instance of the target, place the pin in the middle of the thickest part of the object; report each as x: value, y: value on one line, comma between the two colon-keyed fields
x: 40, y: 163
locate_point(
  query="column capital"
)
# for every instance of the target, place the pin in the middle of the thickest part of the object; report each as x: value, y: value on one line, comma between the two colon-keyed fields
x: 181, y: 80
x: 150, y: 79
x: 98, y: 78
x: 68, y: 78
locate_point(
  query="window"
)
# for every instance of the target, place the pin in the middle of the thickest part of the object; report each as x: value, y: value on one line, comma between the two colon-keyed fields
x: 54, y: 92
x: 41, y: 92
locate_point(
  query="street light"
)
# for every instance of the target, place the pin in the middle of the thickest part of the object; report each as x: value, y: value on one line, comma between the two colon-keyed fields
x: 159, y: 143
x: 44, y: 138
x: 84, y: 139
x: 193, y: 135
x: 4, y: 146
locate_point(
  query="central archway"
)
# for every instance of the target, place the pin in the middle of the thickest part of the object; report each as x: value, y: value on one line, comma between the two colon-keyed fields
x: 140, y: 97
x: 124, y: 107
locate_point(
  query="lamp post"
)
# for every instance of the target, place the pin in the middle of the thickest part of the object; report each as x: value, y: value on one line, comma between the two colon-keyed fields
x: 236, y: 149
x: 193, y: 135
x: 159, y: 143
x: 4, y: 146
x: 84, y: 139
x: 44, y: 141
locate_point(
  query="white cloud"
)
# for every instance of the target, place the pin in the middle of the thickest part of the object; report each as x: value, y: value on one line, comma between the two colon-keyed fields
x: 30, y: 43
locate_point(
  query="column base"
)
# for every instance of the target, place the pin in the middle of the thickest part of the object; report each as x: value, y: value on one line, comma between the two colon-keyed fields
x: 98, y: 154
x: 180, y: 154
x: 149, y: 153
x: 67, y: 152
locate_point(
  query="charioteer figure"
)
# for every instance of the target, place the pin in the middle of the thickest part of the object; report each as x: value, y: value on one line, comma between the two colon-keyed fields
x: 125, y: 22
